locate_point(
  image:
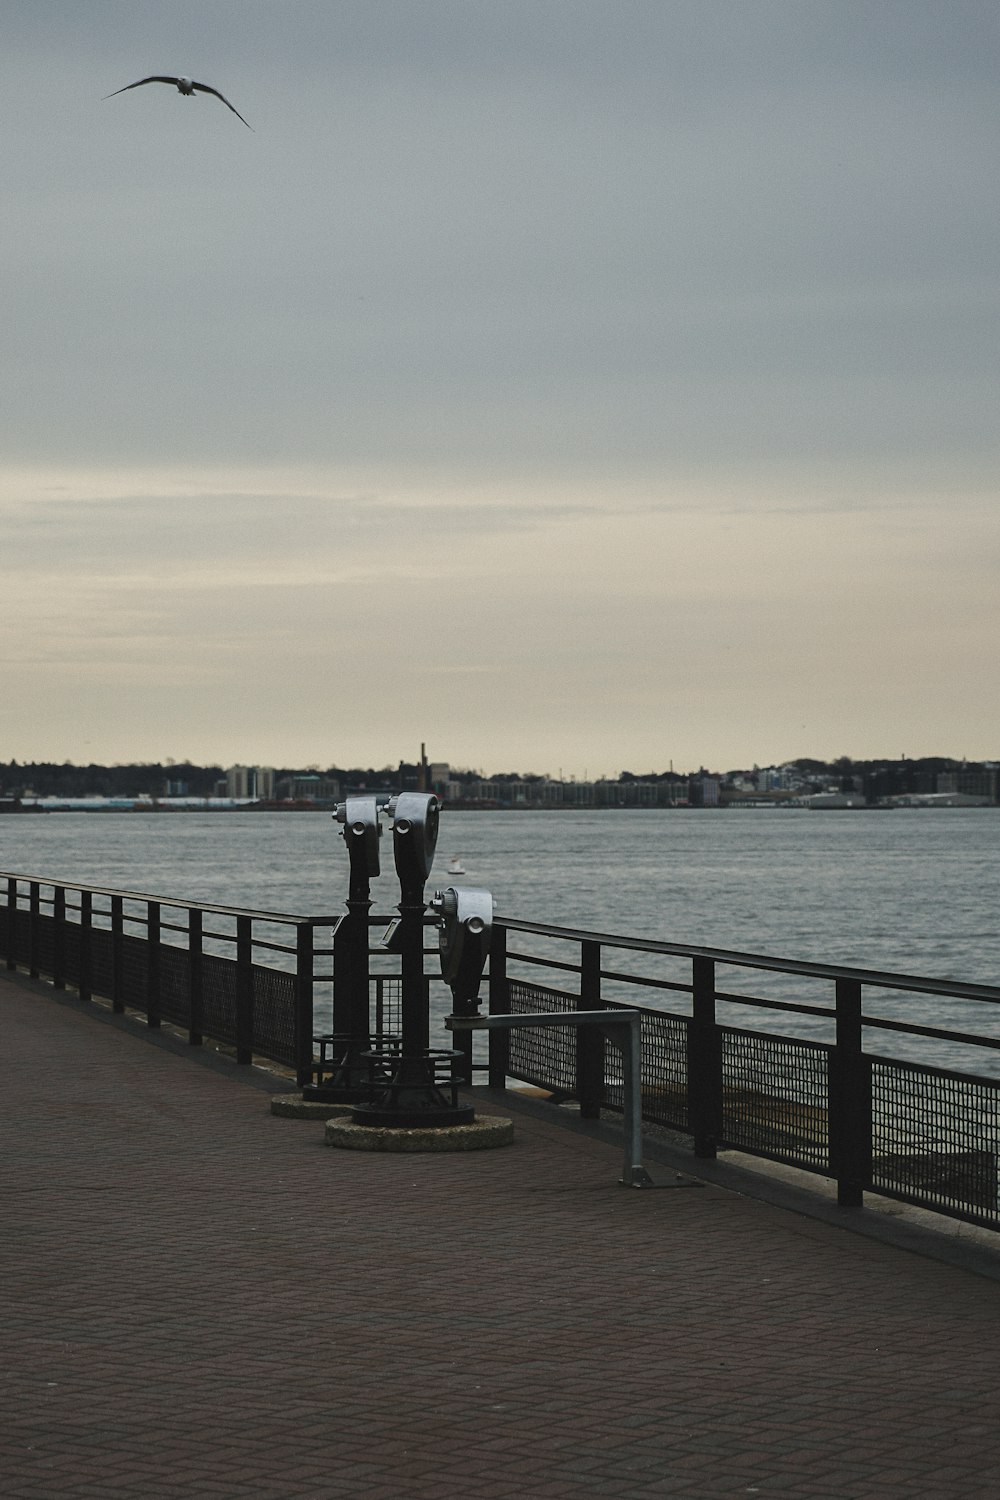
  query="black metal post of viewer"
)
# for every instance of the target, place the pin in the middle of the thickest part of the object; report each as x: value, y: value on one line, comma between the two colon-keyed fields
x: 343, y: 1072
x: 414, y: 1086
x: 466, y: 928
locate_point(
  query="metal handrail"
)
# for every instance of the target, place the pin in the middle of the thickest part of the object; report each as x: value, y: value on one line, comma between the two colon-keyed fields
x: 298, y: 919
x: 883, y: 979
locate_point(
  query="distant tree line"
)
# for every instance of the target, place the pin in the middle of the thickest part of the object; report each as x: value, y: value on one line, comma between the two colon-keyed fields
x: 876, y: 778
x: 48, y: 779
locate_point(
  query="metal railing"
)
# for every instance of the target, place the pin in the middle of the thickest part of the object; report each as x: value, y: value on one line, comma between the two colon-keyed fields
x: 827, y: 1072
x: 256, y: 982
x: 836, y: 1102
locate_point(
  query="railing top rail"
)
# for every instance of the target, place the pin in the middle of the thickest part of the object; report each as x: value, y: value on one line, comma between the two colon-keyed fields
x: 174, y: 901
x: 883, y: 979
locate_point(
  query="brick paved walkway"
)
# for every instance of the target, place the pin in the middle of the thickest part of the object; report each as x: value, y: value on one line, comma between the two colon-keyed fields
x: 200, y: 1299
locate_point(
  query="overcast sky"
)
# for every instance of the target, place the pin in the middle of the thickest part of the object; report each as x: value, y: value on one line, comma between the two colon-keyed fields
x: 572, y: 385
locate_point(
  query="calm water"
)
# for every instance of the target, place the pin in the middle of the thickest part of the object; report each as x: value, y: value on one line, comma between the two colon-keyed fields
x: 909, y: 890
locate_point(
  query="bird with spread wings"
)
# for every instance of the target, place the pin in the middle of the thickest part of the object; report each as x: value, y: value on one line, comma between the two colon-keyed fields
x: 183, y: 86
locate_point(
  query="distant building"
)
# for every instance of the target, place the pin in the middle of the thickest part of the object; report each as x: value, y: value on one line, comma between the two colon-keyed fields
x: 309, y: 788
x: 254, y: 783
x: 438, y: 776
x: 610, y: 794
x: 703, y: 791
x: 238, y: 781
x: 642, y: 793
x: 832, y: 800
x: 978, y: 781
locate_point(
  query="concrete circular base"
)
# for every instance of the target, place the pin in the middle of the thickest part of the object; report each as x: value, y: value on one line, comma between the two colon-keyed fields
x: 482, y: 1134
x: 294, y: 1107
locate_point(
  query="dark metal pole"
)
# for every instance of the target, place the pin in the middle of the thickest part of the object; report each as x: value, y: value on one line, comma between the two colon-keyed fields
x: 196, y: 976
x: 590, y: 1039
x: 351, y: 999
x: 463, y: 1069
x: 850, y: 1115
x: 34, y: 926
x: 117, y: 955
x: 351, y: 1005
x: 499, y: 993
x: 305, y: 964
x: 152, y: 963
x: 59, y: 937
x: 11, y: 944
x: 416, y: 990
x: 704, y: 1061
x: 244, y: 990
x: 86, y: 955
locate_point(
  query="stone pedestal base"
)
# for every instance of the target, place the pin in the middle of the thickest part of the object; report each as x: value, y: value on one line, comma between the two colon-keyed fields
x: 483, y: 1133
x: 294, y: 1107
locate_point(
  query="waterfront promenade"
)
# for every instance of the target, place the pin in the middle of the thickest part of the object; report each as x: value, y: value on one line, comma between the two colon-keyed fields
x: 201, y: 1299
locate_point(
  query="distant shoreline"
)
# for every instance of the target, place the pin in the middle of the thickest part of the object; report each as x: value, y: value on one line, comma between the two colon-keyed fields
x: 160, y: 808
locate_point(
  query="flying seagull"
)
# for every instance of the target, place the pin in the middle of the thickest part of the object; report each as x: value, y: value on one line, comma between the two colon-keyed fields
x: 183, y: 86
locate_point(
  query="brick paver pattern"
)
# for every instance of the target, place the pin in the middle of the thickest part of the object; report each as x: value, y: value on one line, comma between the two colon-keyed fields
x: 201, y: 1299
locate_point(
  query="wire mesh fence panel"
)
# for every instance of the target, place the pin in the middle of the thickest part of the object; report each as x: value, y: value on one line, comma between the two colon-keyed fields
x: 936, y: 1139
x: 102, y: 962
x: 545, y: 1056
x: 71, y: 953
x: 134, y: 971
x: 175, y: 985
x: 664, y: 1071
x: 775, y: 1098
x: 219, y: 992
x: 44, y: 943
x: 18, y: 939
x: 274, y: 1014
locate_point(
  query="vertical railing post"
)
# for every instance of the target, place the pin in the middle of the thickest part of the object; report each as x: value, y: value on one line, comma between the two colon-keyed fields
x: 850, y: 1103
x: 34, y: 927
x: 305, y: 975
x: 86, y: 946
x: 196, y: 976
x: 10, y: 959
x: 244, y: 989
x: 152, y: 963
x: 59, y: 937
x: 590, y: 1039
x: 499, y: 1003
x: 117, y: 955
x: 704, y: 1082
